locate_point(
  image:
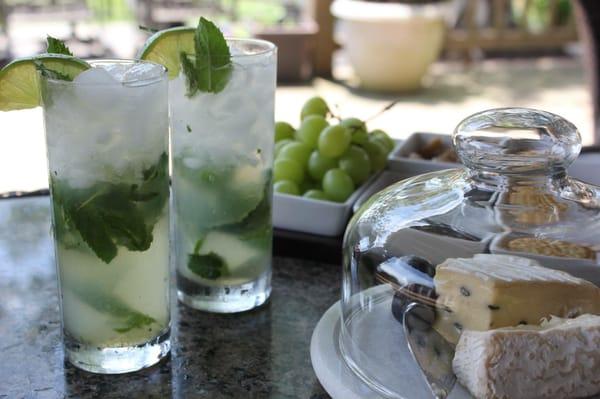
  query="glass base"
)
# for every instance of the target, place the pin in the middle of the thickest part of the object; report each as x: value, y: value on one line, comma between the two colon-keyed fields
x: 117, y: 360
x: 224, y: 299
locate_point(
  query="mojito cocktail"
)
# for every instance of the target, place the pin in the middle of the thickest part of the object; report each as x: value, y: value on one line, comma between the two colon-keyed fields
x: 107, y: 135
x: 221, y: 96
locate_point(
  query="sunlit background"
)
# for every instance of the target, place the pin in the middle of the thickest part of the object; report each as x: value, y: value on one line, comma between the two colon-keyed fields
x: 494, y: 53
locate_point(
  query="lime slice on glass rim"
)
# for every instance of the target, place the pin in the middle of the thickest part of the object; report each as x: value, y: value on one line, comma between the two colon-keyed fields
x: 19, y: 80
x: 166, y: 46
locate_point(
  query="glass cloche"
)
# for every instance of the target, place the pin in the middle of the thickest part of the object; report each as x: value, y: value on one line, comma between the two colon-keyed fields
x: 493, y: 267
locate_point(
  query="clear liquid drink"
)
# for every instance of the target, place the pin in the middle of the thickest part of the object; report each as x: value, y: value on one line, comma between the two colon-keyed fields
x: 222, y: 150
x: 107, y: 135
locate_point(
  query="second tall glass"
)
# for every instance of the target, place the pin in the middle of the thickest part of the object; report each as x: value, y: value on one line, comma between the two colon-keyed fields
x: 107, y: 134
x: 222, y: 151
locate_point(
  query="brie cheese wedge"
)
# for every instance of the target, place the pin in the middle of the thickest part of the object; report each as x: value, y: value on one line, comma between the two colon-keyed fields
x: 493, y: 291
x: 558, y: 360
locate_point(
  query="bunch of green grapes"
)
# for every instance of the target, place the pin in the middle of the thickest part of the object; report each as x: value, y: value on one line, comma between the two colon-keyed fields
x: 324, y: 160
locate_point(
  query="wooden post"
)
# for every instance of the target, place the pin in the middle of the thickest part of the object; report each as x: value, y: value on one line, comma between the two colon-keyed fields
x: 587, y: 13
x: 324, y: 44
x: 3, y: 17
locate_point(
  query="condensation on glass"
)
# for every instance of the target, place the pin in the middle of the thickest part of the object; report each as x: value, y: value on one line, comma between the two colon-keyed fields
x: 107, y: 136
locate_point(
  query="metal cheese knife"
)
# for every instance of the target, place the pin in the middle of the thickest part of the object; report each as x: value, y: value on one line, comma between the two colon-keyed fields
x: 430, y: 350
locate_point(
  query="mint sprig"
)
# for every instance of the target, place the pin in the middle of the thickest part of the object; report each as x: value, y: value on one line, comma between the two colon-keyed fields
x: 108, y: 220
x: 210, y: 266
x: 50, y: 73
x: 128, y: 318
x: 209, y: 70
x: 255, y: 229
x: 57, y: 46
x: 107, y: 216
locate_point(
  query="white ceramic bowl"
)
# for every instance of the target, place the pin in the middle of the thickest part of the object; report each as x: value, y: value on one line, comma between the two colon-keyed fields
x: 399, y: 160
x: 308, y: 215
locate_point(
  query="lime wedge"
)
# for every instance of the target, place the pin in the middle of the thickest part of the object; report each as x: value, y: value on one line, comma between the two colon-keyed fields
x: 19, y: 80
x: 165, y: 47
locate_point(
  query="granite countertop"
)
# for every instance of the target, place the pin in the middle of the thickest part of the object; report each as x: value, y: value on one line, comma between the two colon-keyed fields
x: 259, y: 354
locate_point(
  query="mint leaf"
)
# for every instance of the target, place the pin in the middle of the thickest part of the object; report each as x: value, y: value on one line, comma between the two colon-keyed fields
x: 135, y: 320
x: 211, y: 69
x: 155, y: 181
x: 213, y: 60
x: 152, y: 193
x: 51, y: 74
x: 210, y: 266
x: 108, y: 219
x: 147, y: 29
x: 56, y: 46
x: 189, y: 70
x: 257, y: 225
x: 106, y: 216
x: 129, y: 318
x: 93, y: 231
x: 124, y: 222
x: 198, y: 245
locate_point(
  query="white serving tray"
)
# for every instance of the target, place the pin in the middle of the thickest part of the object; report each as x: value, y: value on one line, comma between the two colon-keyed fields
x: 399, y: 160
x: 313, y: 216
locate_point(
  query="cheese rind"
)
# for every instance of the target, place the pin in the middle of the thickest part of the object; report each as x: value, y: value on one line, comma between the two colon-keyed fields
x: 560, y: 360
x: 492, y: 291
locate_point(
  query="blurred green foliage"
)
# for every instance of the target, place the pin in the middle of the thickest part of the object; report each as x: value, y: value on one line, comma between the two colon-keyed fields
x: 537, y: 17
x: 110, y: 10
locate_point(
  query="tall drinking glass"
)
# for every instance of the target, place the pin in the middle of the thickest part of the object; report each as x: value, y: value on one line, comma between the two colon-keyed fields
x: 107, y: 136
x: 222, y: 149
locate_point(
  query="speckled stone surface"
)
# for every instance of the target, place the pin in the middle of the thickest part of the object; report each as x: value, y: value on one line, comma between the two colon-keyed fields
x: 259, y: 354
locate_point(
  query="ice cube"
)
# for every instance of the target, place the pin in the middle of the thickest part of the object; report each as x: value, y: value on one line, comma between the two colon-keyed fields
x: 117, y: 71
x: 192, y: 163
x: 142, y: 72
x: 97, y: 91
x: 239, y: 80
x: 95, y: 76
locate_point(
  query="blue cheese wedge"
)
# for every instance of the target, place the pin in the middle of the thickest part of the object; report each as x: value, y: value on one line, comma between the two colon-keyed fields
x: 492, y: 291
x: 559, y: 360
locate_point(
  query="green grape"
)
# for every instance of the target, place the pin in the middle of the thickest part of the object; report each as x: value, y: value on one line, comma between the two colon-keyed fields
x: 384, y: 138
x: 360, y: 137
x: 319, y: 164
x: 309, y: 184
x: 309, y: 130
x: 283, y: 130
x: 377, y: 154
x: 296, y: 151
x: 288, y: 169
x: 354, y: 125
x: 286, y: 187
x: 334, y: 141
x: 314, y: 106
x: 280, y: 145
x: 356, y: 163
x: 337, y: 185
x: 316, y: 194
x: 357, y: 128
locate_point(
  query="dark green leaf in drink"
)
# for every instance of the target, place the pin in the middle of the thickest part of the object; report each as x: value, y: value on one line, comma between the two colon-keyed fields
x: 93, y: 231
x: 210, y: 266
x: 128, y: 317
x: 106, y: 216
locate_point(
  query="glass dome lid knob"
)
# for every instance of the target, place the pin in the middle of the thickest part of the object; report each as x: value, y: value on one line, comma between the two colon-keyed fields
x: 516, y: 141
